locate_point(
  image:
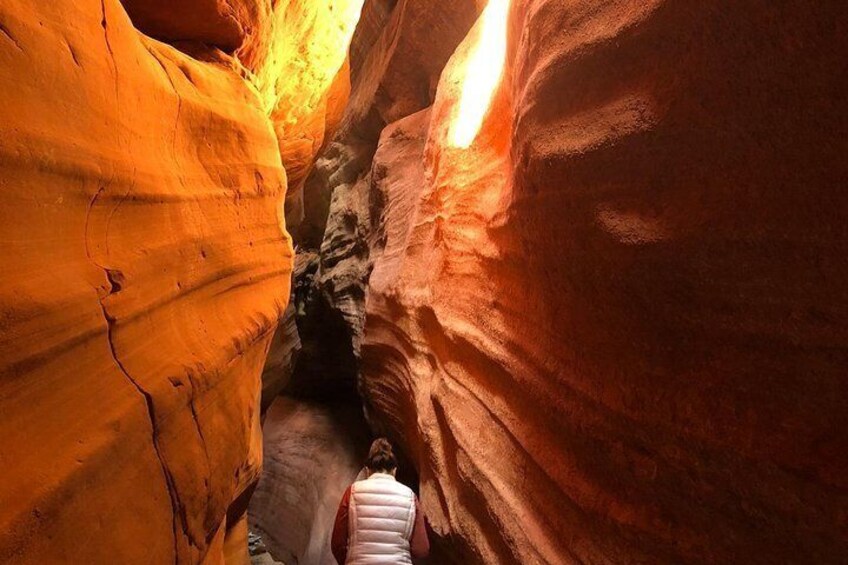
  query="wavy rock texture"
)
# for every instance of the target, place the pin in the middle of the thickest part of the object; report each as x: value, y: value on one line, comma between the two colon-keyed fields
x: 394, y: 67
x: 299, y: 66
x: 330, y: 284
x: 145, y: 266
x: 294, y: 54
x: 293, y: 51
x: 313, y: 451
x: 613, y: 329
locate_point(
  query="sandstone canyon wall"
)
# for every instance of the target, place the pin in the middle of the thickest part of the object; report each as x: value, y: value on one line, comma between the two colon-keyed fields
x: 394, y: 68
x: 294, y: 53
x: 612, y: 328
x: 145, y: 266
x: 608, y: 326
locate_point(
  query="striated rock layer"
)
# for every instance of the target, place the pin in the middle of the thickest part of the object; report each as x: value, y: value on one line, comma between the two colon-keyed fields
x: 145, y: 265
x: 612, y: 329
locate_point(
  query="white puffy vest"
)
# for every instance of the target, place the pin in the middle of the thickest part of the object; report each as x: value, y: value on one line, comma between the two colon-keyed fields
x: 381, y: 517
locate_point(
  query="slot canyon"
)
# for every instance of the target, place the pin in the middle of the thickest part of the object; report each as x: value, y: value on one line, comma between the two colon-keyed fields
x: 583, y: 262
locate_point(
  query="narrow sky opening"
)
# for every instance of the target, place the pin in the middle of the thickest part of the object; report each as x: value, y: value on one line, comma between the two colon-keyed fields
x: 483, y: 72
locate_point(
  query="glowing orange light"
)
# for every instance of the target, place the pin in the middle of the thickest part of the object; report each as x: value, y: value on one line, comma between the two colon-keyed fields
x: 308, y: 45
x: 483, y: 71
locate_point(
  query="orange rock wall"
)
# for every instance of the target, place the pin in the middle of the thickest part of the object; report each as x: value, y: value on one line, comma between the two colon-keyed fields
x: 612, y: 329
x: 298, y: 65
x: 293, y: 52
x: 145, y: 265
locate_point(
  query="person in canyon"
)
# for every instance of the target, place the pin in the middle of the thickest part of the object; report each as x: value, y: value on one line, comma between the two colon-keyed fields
x: 379, y: 519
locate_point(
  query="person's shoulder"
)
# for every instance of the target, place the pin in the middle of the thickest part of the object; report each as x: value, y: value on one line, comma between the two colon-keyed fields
x: 402, y: 488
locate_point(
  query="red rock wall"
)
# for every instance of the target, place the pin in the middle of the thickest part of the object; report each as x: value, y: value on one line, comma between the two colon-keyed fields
x: 145, y: 264
x: 225, y: 24
x: 613, y: 329
x: 387, y: 81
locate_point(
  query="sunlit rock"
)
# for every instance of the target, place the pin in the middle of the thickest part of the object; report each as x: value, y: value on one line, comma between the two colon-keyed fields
x: 298, y: 66
x: 145, y: 267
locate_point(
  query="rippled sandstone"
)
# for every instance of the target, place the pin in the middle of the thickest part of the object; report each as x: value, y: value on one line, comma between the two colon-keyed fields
x: 612, y: 328
x: 145, y: 267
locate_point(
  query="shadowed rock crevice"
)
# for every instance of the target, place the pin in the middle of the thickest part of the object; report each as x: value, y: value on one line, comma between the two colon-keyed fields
x: 326, y: 367
x: 344, y: 199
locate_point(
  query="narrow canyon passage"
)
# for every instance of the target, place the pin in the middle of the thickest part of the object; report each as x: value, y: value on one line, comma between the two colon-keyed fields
x: 583, y: 262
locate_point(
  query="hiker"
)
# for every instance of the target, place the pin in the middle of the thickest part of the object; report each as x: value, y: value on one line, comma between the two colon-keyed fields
x: 379, y: 519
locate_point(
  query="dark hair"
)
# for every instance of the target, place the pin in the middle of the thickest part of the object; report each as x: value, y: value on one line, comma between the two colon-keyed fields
x: 381, y: 457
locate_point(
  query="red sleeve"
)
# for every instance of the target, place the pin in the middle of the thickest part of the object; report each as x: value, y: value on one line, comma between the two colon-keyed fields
x: 419, y: 545
x: 340, y: 530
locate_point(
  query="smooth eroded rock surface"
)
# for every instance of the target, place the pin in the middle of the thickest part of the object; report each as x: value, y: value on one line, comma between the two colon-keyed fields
x: 612, y: 330
x: 145, y: 265
x: 224, y: 24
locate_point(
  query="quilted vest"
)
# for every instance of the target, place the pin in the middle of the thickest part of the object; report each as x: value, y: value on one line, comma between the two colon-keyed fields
x: 381, y: 517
